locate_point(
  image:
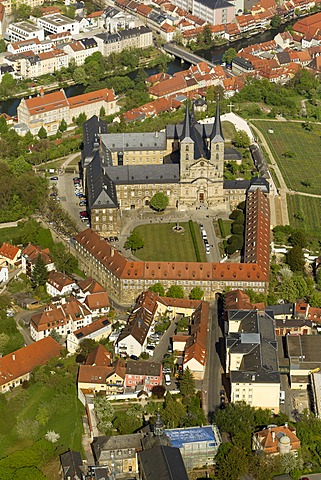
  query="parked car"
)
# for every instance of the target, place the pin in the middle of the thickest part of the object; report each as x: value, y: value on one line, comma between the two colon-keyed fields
x: 134, y: 357
x: 54, y: 194
x: 53, y: 178
x: 79, y: 194
x: 83, y: 203
x: 83, y: 213
x: 207, y: 249
x: 76, y: 179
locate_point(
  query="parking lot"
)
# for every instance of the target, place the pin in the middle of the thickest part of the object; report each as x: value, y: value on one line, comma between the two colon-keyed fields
x: 69, y: 201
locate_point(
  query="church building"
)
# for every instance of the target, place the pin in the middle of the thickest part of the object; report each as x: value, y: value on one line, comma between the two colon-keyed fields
x: 122, y: 171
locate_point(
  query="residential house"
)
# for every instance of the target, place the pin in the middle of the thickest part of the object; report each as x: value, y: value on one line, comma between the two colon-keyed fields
x: 118, y: 453
x: 17, y: 367
x: 80, y: 49
x: 94, y: 296
x: 303, y: 352
x: 48, y: 110
x: 25, y: 30
x: 29, y: 257
x: 195, y: 353
x: 141, y: 375
x: 116, y: 19
x: 100, y: 374
x: 59, y: 284
x: 71, y: 466
x: 64, y: 317
x: 9, y: 254
x: 252, y: 360
x: 138, y: 37
x: 32, y: 44
x: 97, y: 330
x: 57, y: 23
x: 284, y: 40
x: 4, y: 274
x: 275, y: 440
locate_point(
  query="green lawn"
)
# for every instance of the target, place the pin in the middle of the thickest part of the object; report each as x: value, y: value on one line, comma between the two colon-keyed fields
x: 305, y: 213
x: 228, y: 130
x: 305, y: 164
x: 162, y: 244
x: 12, y: 235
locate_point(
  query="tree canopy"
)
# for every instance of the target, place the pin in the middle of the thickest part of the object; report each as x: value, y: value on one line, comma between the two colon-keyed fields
x: 134, y: 242
x: 159, y: 201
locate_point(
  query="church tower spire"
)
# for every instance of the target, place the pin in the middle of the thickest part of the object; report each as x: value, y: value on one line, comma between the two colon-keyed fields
x: 159, y: 426
x: 186, y: 133
x: 217, y: 133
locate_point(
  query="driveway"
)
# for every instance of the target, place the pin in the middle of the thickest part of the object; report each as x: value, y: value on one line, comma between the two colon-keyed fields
x: 162, y: 346
x: 68, y: 199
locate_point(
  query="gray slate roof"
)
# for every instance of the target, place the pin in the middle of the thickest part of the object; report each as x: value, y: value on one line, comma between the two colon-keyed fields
x: 256, y: 340
x: 163, y: 463
x: 134, y: 141
x: 143, y: 174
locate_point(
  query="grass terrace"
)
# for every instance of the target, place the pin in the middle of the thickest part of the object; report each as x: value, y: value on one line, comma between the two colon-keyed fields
x: 305, y: 213
x: 164, y: 245
x: 297, y: 152
x: 228, y: 130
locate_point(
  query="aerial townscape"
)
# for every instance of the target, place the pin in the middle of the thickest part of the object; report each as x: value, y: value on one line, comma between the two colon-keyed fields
x: 160, y: 240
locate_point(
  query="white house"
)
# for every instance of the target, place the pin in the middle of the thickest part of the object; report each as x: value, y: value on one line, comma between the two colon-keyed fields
x: 96, y: 330
x: 64, y: 317
x: 59, y: 284
x: 94, y: 296
x: 25, y: 30
x: 57, y: 23
x: 29, y: 256
x: 4, y: 274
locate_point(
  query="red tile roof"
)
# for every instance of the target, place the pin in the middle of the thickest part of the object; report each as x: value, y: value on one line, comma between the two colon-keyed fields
x: 92, y: 97
x: 25, y: 359
x: 59, y: 280
x: 96, y: 301
x: 90, y: 285
x: 9, y: 251
x: 32, y: 252
x: 50, y: 101
x: 95, y: 326
x: 100, y: 356
x: 269, y: 438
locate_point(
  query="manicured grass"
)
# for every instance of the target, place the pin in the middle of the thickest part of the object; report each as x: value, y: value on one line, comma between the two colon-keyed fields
x: 162, y: 244
x: 305, y: 213
x: 228, y: 130
x: 304, y: 164
x: 226, y: 225
x: 13, y: 235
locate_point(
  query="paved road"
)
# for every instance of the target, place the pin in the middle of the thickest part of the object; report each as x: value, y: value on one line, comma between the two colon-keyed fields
x: 161, y: 348
x: 212, y: 379
x: 185, y: 54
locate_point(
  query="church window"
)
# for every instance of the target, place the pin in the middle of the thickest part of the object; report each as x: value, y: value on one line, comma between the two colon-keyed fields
x: 217, y: 156
x: 187, y: 148
x: 187, y: 157
x: 217, y: 146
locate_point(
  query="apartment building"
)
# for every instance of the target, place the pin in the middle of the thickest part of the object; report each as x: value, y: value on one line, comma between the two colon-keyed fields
x: 57, y: 23
x: 97, y: 330
x: 81, y: 49
x: 138, y: 37
x: 47, y: 110
x: 252, y: 360
x: 33, y: 44
x: 25, y: 30
x: 32, y: 66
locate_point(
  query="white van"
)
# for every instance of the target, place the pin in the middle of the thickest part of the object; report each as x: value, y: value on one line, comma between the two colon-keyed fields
x: 167, y: 379
x: 282, y: 397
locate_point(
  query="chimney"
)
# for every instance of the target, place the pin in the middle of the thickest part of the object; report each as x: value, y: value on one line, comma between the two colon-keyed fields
x: 273, y: 436
x: 112, y: 252
x: 286, y: 425
x: 13, y: 357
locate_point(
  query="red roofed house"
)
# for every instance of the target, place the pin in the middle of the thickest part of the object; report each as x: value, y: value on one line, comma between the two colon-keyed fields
x: 9, y: 254
x: 195, y: 353
x: 97, y: 330
x: 141, y: 375
x: 99, y: 374
x: 64, y: 318
x: 2, y: 19
x: 48, y: 110
x: 17, y: 367
x: 94, y: 296
x: 275, y: 440
x: 29, y: 256
x: 59, y: 284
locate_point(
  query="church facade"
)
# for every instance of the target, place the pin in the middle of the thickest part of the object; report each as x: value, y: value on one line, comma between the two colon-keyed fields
x: 122, y: 171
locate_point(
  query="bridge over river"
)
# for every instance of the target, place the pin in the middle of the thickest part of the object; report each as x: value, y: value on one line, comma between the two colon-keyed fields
x: 185, y: 55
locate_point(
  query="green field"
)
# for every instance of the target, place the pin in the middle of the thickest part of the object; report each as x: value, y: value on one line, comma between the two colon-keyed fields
x: 228, y: 130
x: 164, y: 245
x: 305, y: 213
x: 304, y: 163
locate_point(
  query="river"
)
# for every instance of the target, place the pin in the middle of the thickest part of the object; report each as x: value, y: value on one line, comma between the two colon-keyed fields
x: 214, y: 55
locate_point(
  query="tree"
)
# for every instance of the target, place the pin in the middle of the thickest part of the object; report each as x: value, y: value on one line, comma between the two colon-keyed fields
x: 63, y: 125
x: 39, y: 274
x: 55, y: 335
x: 207, y: 35
x: 134, y: 242
x: 295, y: 259
x: 229, y: 55
x: 175, y: 291
x: 79, y: 76
x: 87, y: 346
x: 187, y: 383
x: 241, y: 139
x: 158, y: 391
x: 82, y: 117
x: 298, y: 237
x: 158, y: 288
x: 3, y: 126
x: 231, y: 462
x: 173, y: 412
x: 8, y: 85
x: 159, y: 201
x: 196, y: 294
x: 276, y: 21
x: 102, y: 112
x: 21, y: 12
x: 3, y: 46
x: 52, y: 436
x: 64, y: 261
x: 42, y: 133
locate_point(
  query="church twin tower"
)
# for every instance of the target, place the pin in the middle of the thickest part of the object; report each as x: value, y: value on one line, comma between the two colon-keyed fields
x: 201, y: 162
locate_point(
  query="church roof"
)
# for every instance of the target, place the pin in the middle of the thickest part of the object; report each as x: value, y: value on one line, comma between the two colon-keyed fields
x: 143, y: 174
x: 101, y: 190
x: 192, y: 134
x: 217, y: 133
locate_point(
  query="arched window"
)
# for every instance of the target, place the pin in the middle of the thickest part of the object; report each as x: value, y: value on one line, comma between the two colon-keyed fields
x: 186, y: 157
x: 217, y: 156
x: 217, y: 146
x: 187, y: 148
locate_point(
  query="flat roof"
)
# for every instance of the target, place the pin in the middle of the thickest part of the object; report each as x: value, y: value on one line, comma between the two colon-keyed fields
x: 57, y: 19
x: 180, y: 436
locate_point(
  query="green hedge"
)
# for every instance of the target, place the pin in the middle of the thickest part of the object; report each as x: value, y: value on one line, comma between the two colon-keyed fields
x: 221, y: 227
x: 193, y: 235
